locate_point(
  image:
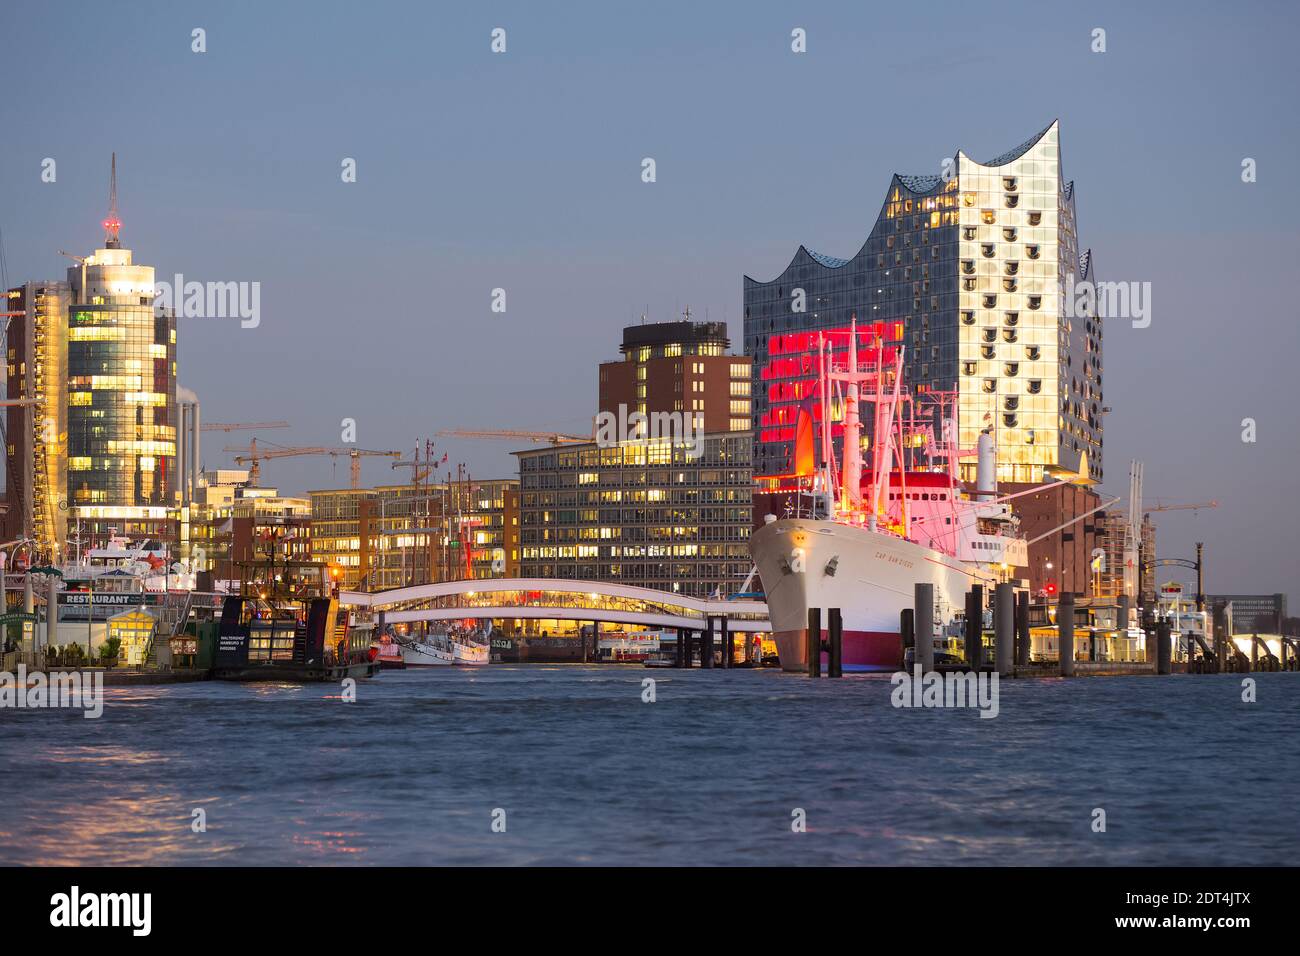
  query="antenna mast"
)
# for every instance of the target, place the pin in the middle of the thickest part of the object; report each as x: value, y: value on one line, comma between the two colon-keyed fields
x: 112, y: 225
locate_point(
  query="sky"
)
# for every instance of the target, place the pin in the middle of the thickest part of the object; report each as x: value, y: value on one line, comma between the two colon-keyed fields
x: 521, y: 171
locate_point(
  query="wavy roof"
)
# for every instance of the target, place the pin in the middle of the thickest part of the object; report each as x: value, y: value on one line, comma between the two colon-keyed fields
x: 920, y: 184
x: 1011, y: 155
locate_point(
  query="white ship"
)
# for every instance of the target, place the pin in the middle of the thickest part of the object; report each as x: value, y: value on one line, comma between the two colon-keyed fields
x: 425, y: 651
x: 867, y: 540
x: 470, y: 654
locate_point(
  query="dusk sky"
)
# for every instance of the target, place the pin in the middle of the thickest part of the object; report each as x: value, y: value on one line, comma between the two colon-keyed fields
x: 522, y: 171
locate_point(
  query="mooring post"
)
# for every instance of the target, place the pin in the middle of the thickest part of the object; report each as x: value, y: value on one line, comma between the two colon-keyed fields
x: 706, y: 652
x: 1164, y: 648
x: 1254, y: 651
x: 975, y: 627
x: 1023, y: 640
x: 813, y: 644
x: 1004, y: 626
x: 1218, y: 618
x: 835, y: 624
x: 907, y: 630
x: 923, y: 626
x: 52, y: 615
x: 728, y: 642
x: 1065, y: 633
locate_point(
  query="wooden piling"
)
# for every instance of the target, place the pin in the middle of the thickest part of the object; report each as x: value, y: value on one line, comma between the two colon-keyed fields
x: 706, y: 652
x: 1164, y: 649
x: 923, y: 625
x: 814, y: 642
x: 835, y: 624
x: 1065, y: 634
x: 728, y: 643
x: 1004, y: 627
x: 1023, y: 640
x: 975, y: 627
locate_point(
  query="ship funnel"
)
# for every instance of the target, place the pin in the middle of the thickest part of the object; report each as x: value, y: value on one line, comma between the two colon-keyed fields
x: 986, y: 470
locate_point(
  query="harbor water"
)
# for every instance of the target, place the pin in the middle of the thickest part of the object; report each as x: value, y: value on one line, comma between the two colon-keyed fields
x: 578, y: 769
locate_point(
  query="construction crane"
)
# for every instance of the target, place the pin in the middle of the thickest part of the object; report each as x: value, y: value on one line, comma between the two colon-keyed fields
x: 553, y: 438
x: 240, y: 426
x: 1197, y: 506
x: 253, y: 457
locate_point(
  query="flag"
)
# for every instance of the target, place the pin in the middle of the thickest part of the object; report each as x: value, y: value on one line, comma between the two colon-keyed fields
x: 804, y: 460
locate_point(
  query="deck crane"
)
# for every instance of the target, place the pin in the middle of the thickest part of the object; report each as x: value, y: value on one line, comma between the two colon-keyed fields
x: 253, y: 456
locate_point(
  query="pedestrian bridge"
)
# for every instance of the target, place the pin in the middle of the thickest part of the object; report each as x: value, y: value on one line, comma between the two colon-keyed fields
x: 558, y: 599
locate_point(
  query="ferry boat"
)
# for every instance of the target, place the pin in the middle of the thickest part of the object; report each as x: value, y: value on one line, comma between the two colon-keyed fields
x: 301, y: 642
x: 868, y: 538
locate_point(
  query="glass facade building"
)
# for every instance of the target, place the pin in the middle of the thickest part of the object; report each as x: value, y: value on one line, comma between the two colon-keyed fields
x: 37, y: 367
x: 970, y: 274
x: 643, y: 513
x: 121, y: 400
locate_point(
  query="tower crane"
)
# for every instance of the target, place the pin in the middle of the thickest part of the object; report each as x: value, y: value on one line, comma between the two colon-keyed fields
x: 1196, y: 506
x: 254, y: 457
x: 553, y: 438
x: 240, y: 426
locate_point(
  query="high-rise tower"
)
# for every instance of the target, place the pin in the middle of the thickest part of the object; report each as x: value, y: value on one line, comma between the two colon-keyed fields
x: 121, y: 395
x: 37, y: 368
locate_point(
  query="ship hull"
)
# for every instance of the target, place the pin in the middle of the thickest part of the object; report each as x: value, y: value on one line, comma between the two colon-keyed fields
x: 470, y: 655
x: 806, y: 563
x: 425, y: 655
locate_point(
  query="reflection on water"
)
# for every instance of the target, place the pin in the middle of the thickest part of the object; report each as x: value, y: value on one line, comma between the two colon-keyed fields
x: 711, y: 773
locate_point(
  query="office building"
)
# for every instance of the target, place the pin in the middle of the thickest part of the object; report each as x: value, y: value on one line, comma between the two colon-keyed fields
x: 122, y: 413
x: 1253, y: 613
x: 649, y: 513
x: 398, y: 535
x: 37, y: 433
x: 680, y: 367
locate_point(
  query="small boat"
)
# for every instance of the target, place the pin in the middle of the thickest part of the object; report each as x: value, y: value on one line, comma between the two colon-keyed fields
x: 389, y: 653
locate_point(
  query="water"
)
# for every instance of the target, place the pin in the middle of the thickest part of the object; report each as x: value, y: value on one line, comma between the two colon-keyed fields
x: 708, y: 774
